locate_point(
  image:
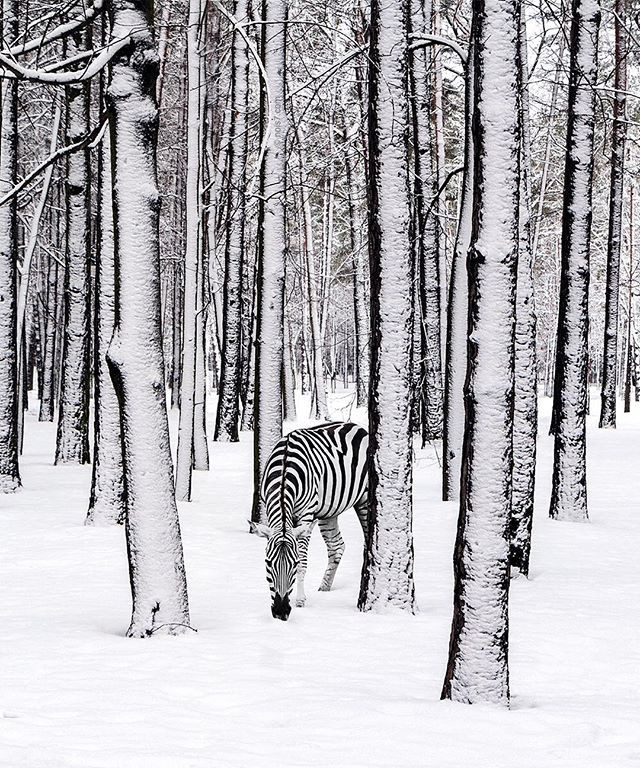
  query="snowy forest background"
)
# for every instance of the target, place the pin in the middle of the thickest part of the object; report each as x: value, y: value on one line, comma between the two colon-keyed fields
x: 220, y: 221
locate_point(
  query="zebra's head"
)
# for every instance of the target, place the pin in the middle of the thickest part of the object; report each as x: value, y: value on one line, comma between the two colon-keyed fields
x: 281, y: 559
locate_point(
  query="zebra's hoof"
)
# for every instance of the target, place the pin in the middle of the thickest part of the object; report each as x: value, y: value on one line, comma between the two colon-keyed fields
x: 324, y: 587
x: 300, y: 603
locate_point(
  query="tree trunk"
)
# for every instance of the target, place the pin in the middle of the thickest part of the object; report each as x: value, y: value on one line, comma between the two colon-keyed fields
x: 72, y: 445
x: 231, y: 368
x: 361, y: 352
x: 569, y: 483
x: 387, y: 573
x: 9, y: 470
x: 458, y: 312
x: 478, y: 670
x: 270, y: 272
x: 184, y: 459
x: 319, y: 408
x: 614, y: 245
x: 525, y: 410
x: 156, y: 568
x: 47, y: 401
x: 107, y: 500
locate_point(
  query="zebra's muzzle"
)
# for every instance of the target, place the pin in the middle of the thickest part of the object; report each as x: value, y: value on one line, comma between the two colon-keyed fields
x: 281, y: 607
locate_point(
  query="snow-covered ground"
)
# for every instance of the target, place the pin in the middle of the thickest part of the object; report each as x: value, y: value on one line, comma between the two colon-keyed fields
x: 331, y: 687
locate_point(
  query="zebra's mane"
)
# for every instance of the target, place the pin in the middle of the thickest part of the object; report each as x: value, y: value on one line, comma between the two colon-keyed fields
x: 282, y: 477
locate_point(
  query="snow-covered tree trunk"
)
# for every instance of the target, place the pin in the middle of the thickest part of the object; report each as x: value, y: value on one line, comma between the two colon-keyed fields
x: 458, y: 313
x: 200, y: 444
x: 361, y: 315
x: 9, y: 469
x: 156, y: 569
x: 618, y: 141
x: 426, y: 232
x: 319, y: 408
x: 525, y: 409
x: 569, y: 483
x: 477, y: 670
x: 288, y: 384
x: 231, y: 369
x: 72, y: 444
x: 184, y: 459
x: 387, y: 573
x: 106, y: 501
x: 47, y: 400
x: 270, y: 272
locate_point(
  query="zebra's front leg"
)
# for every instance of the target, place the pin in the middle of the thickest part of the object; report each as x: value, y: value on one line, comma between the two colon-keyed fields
x: 335, y: 549
x: 303, y: 548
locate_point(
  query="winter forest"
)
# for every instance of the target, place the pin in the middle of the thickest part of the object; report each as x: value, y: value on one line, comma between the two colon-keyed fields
x: 293, y: 284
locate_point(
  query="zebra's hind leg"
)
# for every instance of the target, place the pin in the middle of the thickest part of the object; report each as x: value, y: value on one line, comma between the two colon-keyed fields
x: 362, y: 510
x: 303, y: 548
x: 335, y: 549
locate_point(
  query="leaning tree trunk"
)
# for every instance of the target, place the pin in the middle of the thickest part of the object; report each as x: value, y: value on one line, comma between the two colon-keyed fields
x: 9, y: 471
x: 156, y: 569
x: 231, y: 367
x: 269, y: 340
x: 72, y: 444
x: 569, y: 483
x: 387, y: 572
x: 525, y: 410
x: 457, y: 314
x: 106, y: 501
x: 478, y: 670
x: 618, y: 141
x: 184, y: 458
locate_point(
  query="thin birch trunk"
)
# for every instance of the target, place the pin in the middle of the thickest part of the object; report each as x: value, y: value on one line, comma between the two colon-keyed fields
x: 361, y: 315
x: 458, y: 312
x: 614, y: 245
x: 184, y: 459
x: 9, y: 469
x: 72, y: 443
x: 525, y: 409
x: 107, y: 499
x: 569, y: 482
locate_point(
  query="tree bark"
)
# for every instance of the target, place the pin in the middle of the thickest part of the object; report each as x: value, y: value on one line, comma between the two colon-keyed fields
x: 185, y: 453
x: 231, y: 367
x: 107, y: 498
x: 477, y: 669
x: 270, y: 272
x: 72, y: 445
x: 525, y: 410
x: 9, y: 469
x: 458, y: 313
x: 569, y: 482
x: 387, y: 573
x: 614, y: 244
x: 156, y: 568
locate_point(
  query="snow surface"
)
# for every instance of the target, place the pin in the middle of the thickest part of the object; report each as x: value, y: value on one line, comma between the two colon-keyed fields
x: 332, y: 686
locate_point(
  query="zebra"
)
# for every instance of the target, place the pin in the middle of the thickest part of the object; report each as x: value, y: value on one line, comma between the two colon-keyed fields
x: 313, y: 475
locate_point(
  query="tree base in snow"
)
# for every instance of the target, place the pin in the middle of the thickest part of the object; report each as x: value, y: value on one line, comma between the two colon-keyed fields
x: 9, y: 484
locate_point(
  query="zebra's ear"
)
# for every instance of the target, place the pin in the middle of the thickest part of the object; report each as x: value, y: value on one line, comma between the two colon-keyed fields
x: 301, y: 530
x: 260, y: 529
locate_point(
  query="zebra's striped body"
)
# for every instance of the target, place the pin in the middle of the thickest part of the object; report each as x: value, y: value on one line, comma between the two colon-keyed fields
x: 313, y: 475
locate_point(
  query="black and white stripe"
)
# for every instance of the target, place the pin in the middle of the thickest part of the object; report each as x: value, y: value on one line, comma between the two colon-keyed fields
x: 313, y: 475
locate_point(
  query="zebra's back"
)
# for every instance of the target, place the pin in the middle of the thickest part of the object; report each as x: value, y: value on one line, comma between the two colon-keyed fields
x: 324, y: 472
